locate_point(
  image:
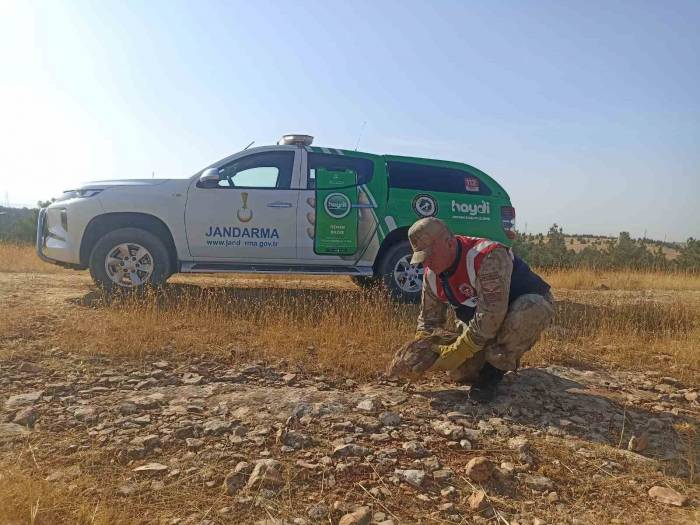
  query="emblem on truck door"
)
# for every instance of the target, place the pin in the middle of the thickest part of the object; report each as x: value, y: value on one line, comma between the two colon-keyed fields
x: 244, y: 214
x: 425, y: 205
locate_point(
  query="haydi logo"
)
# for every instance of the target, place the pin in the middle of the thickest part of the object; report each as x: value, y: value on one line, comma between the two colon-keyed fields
x: 471, y: 209
x: 337, y: 205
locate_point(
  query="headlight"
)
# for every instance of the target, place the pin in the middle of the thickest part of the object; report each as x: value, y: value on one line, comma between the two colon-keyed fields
x: 77, y: 194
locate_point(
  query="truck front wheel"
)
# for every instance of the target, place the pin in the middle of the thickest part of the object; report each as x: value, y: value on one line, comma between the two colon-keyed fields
x: 129, y: 259
x: 403, y: 280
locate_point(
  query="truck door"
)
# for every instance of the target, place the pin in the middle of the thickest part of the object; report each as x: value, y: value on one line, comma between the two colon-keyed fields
x: 337, y: 216
x: 250, y: 213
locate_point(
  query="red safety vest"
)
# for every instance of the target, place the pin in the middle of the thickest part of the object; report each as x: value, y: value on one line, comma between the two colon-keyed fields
x: 462, y: 282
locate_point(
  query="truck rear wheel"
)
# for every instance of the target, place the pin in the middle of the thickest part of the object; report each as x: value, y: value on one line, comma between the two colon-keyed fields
x: 129, y: 259
x: 403, y: 280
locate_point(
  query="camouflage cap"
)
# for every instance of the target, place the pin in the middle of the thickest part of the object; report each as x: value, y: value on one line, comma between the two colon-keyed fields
x: 422, y: 234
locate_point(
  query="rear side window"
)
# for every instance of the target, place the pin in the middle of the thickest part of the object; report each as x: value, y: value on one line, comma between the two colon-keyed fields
x: 363, y: 167
x: 435, y: 178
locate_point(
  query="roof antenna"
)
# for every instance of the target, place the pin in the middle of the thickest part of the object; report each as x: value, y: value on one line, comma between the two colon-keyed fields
x: 249, y: 145
x: 358, y: 138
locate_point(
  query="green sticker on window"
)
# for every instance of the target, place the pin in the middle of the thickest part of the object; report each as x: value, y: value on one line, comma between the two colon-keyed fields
x: 336, y: 217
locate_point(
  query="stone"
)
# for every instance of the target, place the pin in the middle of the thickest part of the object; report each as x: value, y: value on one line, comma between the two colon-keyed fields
x: 369, y: 404
x: 537, y: 482
x: 146, y: 442
x: 29, y: 368
x: 296, y: 440
x: 368, y: 423
x: 413, y: 477
x: 431, y: 463
x: 415, y: 449
x: 318, y: 511
x: 448, y: 429
x: 266, y: 473
x: 446, y: 507
x: 86, y: 414
x: 672, y: 381
x: 26, y: 417
x: 478, y: 501
x: 128, y: 408
x: 351, y: 449
x: 12, y: 430
x: 142, y: 420
x: 519, y: 444
x: 194, y: 443
x: 639, y: 443
x: 479, y: 469
x: 21, y: 400
x: 442, y: 474
x: 390, y: 419
x: 667, y: 496
x: 380, y: 437
x: 552, y: 497
x: 192, y: 379
x: 691, y: 396
x: 151, y: 469
x: 216, y: 427
x: 472, y: 434
x: 361, y: 516
x: 127, y: 490
x: 465, y: 444
x: 184, y: 432
x: 448, y: 491
x: 237, y: 478
x: 289, y: 378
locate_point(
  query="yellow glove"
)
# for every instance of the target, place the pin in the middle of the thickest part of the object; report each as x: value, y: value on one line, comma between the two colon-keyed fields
x: 421, y: 334
x: 451, y: 356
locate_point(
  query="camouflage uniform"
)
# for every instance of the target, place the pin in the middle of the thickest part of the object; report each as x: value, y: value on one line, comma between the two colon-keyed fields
x: 504, y: 331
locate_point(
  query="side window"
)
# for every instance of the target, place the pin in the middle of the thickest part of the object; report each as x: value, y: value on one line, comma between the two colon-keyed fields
x: 271, y: 170
x: 435, y: 178
x: 363, y: 167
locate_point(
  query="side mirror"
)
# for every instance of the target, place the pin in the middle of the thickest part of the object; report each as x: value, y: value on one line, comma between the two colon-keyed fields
x: 209, y: 178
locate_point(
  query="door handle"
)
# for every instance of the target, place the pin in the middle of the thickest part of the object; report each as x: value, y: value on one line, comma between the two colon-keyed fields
x: 279, y: 204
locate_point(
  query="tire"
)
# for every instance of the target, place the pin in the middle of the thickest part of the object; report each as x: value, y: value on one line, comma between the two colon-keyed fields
x: 403, y: 281
x: 366, y: 282
x: 146, y: 265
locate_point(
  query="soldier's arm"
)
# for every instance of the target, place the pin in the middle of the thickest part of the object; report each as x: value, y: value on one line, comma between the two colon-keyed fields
x: 433, y: 312
x: 492, y: 289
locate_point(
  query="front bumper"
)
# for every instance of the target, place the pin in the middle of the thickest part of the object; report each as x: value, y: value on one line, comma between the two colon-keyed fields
x: 41, y: 236
x: 59, y: 245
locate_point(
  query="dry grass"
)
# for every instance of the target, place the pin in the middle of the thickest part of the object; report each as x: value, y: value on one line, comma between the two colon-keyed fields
x: 331, y: 326
x: 586, y: 279
x: 628, y: 333
x: 349, y: 333
x: 26, y: 499
x: 354, y: 334
x: 22, y: 258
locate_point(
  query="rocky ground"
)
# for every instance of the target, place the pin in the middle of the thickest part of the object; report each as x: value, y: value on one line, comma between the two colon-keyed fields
x: 198, y: 442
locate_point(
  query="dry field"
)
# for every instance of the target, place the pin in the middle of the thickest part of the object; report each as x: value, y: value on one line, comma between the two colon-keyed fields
x: 631, y: 338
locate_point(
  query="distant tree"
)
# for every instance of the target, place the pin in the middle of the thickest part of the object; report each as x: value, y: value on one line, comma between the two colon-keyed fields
x: 689, y: 256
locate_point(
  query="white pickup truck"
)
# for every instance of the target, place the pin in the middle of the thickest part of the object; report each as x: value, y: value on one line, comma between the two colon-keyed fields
x: 287, y: 208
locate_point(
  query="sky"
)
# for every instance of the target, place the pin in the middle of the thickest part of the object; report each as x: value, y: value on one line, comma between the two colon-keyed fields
x: 586, y: 112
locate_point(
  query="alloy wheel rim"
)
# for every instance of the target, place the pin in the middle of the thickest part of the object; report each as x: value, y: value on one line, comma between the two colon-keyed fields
x: 129, y: 265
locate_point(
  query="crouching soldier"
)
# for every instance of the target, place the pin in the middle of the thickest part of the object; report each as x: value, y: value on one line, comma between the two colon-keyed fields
x: 501, y: 307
